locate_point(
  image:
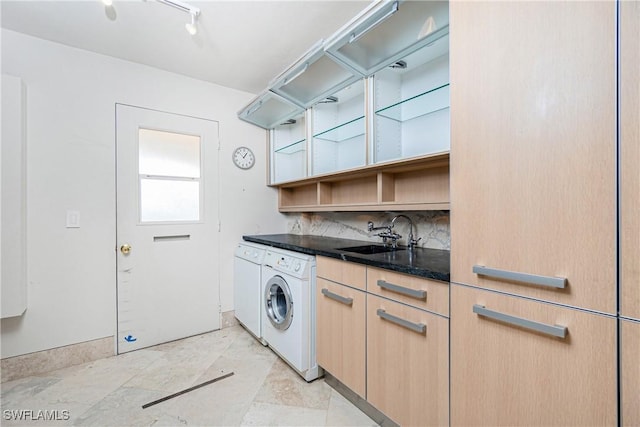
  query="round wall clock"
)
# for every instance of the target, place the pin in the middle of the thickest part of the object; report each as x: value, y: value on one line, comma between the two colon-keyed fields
x: 243, y: 158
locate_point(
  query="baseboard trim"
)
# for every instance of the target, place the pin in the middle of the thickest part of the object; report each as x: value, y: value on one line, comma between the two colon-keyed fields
x: 360, y: 403
x: 44, y: 361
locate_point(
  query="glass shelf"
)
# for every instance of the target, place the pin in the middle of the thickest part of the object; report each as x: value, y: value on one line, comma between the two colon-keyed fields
x: 344, y: 131
x: 292, y: 148
x: 428, y: 102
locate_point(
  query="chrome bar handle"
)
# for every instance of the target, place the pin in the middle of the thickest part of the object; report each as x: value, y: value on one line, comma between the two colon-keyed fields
x: 532, y: 279
x: 327, y: 293
x: 413, y: 293
x: 420, y: 328
x: 553, y: 330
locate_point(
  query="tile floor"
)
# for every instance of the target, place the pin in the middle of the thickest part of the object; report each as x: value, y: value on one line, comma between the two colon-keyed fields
x: 111, y: 391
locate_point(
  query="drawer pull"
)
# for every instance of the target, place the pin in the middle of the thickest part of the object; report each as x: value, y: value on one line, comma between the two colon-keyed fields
x: 420, y: 328
x: 556, y: 331
x: 413, y: 293
x: 532, y: 279
x: 327, y: 293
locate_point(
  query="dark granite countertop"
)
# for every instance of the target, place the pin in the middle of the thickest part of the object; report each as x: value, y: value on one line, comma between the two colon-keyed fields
x: 428, y: 263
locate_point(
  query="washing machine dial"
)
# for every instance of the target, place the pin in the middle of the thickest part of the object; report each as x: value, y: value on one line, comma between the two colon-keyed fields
x: 297, y: 266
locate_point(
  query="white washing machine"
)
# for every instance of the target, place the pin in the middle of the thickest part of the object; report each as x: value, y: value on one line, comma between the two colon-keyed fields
x: 288, y: 309
x: 247, y: 286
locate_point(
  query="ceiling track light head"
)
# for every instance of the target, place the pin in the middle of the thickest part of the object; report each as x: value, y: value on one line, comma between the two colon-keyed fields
x: 191, y: 26
x: 193, y: 11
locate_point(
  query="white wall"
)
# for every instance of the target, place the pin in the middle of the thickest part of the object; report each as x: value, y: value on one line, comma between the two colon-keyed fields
x: 71, y: 166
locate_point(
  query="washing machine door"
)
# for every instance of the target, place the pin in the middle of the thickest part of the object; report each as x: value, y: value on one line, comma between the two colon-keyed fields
x: 278, y: 303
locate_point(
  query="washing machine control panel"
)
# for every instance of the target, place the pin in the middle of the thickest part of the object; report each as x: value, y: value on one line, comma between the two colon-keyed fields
x: 286, y: 263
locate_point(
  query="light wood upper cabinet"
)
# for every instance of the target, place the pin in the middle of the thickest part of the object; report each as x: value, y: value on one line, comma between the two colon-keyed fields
x: 533, y: 150
x: 630, y: 159
x: 503, y: 374
x: 408, y: 363
x: 630, y: 369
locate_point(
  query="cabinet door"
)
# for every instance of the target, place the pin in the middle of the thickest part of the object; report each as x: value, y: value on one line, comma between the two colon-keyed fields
x: 408, y: 369
x: 630, y: 361
x: 505, y: 374
x: 629, y: 158
x: 533, y: 151
x: 340, y: 333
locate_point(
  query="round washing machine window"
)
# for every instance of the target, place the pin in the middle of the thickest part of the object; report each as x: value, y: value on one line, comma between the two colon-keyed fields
x: 278, y: 303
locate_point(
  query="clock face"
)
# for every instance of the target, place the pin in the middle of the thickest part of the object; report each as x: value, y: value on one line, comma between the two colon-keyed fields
x: 243, y: 158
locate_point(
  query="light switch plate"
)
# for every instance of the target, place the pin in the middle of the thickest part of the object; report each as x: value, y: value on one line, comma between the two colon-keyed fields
x: 73, y: 219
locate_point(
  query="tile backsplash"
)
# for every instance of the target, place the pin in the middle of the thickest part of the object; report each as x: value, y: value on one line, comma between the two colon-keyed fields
x: 432, y: 226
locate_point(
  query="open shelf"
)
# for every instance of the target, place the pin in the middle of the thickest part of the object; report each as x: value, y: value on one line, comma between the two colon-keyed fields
x: 416, y: 184
x: 343, y: 132
x: 292, y: 148
x: 428, y: 102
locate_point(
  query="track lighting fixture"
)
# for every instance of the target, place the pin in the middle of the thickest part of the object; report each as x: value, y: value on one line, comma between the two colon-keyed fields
x: 192, y: 10
x: 191, y: 27
x: 107, y: 3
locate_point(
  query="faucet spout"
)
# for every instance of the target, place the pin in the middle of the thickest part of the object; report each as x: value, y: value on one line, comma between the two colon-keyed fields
x: 411, y: 242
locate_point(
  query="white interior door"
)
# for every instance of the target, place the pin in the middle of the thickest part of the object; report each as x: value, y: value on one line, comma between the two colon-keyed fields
x: 167, y: 227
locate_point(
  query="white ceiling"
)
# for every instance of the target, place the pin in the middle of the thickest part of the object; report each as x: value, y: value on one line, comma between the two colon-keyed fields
x: 240, y: 44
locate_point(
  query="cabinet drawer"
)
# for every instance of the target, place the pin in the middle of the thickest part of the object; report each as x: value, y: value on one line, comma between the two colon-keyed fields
x: 504, y: 374
x: 408, y: 370
x: 347, y: 273
x: 630, y: 386
x: 428, y: 294
x: 340, y: 333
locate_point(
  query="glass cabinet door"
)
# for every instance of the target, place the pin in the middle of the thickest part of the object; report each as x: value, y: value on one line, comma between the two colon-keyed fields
x: 411, y: 105
x: 387, y: 32
x: 268, y: 110
x: 289, y: 150
x: 313, y: 77
x: 339, y: 131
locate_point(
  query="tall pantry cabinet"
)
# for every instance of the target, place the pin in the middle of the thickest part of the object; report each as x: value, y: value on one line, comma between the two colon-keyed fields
x: 533, y: 196
x: 629, y: 90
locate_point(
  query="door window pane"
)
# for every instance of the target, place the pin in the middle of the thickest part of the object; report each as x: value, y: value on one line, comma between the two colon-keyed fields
x: 169, y: 200
x: 168, y: 154
x: 169, y: 176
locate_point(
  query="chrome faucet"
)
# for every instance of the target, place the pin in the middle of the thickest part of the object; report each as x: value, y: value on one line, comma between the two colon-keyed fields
x: 388, y: 234
x: 411, y: 242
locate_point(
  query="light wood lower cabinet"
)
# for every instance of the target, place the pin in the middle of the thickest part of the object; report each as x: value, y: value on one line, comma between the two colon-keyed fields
x: 408, y: 369
x: 503, y: 374
x: 630, y: 369
x: 340, y: 333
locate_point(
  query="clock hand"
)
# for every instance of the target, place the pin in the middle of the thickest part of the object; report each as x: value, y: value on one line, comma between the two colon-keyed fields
x: 244, y: 155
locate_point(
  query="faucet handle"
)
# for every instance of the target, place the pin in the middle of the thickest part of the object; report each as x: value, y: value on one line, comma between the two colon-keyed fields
x: 369, y: 226
x: 413, y: 242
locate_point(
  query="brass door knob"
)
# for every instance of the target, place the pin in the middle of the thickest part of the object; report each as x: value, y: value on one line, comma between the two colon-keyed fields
x: 125, y: 249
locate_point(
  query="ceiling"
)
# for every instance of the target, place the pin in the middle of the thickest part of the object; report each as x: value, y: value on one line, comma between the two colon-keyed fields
x: 239, y: 44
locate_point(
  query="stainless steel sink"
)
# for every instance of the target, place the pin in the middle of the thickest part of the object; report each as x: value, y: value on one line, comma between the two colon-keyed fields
x: 369, y: 249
